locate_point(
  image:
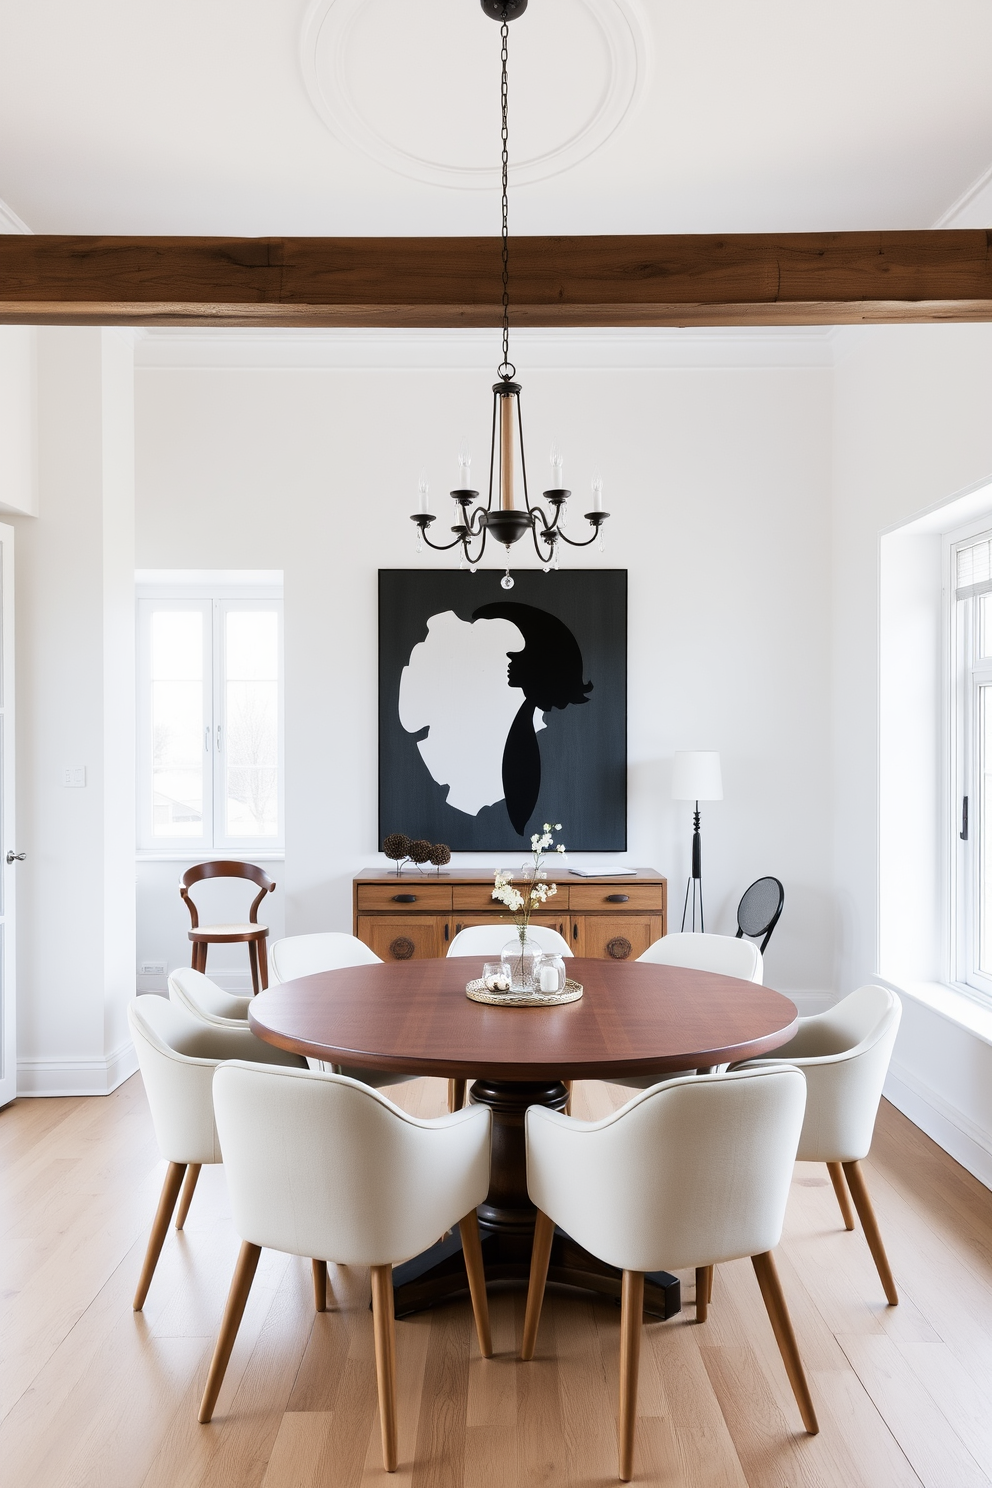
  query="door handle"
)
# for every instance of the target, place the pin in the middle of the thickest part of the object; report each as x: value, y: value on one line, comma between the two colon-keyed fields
x: 13, y: 857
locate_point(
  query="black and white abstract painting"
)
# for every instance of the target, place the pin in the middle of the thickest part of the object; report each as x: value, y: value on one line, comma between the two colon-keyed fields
x: 500, y: 709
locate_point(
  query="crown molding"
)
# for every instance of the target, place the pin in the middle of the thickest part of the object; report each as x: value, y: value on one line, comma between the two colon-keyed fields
x: 10, y: 222
x: 223, y: 349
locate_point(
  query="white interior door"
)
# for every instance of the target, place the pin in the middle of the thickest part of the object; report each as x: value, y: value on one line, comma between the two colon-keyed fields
x: 9, y: 851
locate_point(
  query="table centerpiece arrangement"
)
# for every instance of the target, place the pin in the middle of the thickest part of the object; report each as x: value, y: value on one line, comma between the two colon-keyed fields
x: 522, y: 955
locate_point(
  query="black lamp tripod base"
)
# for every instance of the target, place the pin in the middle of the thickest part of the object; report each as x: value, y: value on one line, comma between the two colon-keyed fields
x: 695, y: 882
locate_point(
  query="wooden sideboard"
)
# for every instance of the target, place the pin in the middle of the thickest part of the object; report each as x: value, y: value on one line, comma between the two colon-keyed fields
x: 414, y: 915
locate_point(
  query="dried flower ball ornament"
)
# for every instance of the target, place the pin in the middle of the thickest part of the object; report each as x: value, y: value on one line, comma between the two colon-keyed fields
x: 402, y: 849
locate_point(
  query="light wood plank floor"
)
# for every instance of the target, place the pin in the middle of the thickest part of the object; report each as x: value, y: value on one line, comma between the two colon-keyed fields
x: 93, y: 1394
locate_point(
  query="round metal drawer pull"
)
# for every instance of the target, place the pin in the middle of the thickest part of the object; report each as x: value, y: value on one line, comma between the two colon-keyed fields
x: 402, y: 948
x: 619, y: 948
x: 617, y: 898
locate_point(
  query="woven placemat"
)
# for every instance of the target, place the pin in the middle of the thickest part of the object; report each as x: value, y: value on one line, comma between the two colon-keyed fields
x: 478, y: 992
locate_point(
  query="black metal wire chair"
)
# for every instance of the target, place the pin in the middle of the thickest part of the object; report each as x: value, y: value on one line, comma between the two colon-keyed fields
x: 759, y: 910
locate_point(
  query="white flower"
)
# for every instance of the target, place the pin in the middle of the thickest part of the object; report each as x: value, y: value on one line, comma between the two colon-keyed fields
x: 560, y: 847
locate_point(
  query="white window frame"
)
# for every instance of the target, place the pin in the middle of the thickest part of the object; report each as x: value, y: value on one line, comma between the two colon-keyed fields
x: 215, y: 595
x: 968, y: 672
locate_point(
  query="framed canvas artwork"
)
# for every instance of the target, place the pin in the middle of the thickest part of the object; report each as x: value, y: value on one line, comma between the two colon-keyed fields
x: 500, y: 709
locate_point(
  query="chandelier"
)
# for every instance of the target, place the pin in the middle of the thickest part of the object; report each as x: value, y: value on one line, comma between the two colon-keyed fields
x: 501, y: 518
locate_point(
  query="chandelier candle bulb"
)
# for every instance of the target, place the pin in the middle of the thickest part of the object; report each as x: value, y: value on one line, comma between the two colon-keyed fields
x: 557, y: 468
x: 464, y: 472
x: 597, y: 494
x: 422, y: 498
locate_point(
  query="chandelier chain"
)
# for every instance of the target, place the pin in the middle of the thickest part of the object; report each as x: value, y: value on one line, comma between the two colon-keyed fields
x: 506, y: 368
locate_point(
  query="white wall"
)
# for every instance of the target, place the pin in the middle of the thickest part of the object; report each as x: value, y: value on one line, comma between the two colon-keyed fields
x: 912, y: 430
x: 718, y: 476
x: 75, y: 706
x: 18, y: 419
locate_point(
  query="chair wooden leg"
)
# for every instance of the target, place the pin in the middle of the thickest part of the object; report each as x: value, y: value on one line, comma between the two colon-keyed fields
x: 544, y: 1233
x: 186, y: 1197
x: 704, y: 1290
x: 456, y: 1094
x: 631, y: 1319
x: 253, y: 963
x: 778, y: 1315
x: 320, y: 1285
x: 468, y: 1228
x: 237, y: 1297
x: 866, y: 1213
x: 204, y: 947
x: 385, y: 1359
x: 263, y: 964
x: 836, y: 1171
x: 160, y: 1228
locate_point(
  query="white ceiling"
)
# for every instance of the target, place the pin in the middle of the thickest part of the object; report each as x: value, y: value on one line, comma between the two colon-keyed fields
x: 342, y: 116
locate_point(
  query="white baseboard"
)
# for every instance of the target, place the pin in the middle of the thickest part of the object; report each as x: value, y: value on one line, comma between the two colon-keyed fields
x: 965, y: 1141
x: 76, y: 1076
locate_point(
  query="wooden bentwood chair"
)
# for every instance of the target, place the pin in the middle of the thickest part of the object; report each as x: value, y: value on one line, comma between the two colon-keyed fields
x: 321, y: 1165
x: 252, y: 932
x: 685, y: 1175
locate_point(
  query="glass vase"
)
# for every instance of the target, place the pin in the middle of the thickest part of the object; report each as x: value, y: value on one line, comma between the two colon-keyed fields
x: 522, y: 955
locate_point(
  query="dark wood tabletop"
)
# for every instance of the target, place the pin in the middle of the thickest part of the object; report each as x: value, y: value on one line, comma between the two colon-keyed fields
x: 413, y: 1016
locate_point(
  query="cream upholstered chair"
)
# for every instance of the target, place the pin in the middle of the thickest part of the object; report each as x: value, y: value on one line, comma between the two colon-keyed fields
x: 720, y: 953
x: 197, y: 994
x: 321, y: 1165
x: 330, y: 950
x: 687, y: 1174
x: 699, y: 952
x: 489, y: 940
x: 178, y: 1053
x: 844, y: 1054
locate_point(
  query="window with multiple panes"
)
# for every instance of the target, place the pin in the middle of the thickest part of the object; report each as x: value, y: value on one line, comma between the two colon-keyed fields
x: 972, y: 760
x: 210, y: 727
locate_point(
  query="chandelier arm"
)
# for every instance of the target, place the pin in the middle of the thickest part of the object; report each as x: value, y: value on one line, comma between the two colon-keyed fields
x: 440, y: 547
x: 549, y: 555
x: 482, y: 548
x: 573, y: 543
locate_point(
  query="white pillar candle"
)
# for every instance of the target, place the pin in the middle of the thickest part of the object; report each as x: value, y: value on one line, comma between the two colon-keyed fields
x: 549, y: 979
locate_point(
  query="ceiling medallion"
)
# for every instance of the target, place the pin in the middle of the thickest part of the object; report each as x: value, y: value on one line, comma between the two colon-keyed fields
x: 506, y: 521
x: 401, y: 82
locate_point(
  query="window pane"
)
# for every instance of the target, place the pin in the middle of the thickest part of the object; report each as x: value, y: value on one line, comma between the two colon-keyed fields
x: 251, y: 646
x: 984, y: 625
x: 177, y: 723
x: 984, y: 844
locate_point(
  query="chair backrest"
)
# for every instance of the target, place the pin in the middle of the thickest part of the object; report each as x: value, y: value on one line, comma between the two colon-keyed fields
x: 720, y: 953
x: 489, y: 940
x: 303, y: 955
x: 759, y: 910
x: 203, y: 998
x: 178, y: 1053
x: 690, y: 1173
x: 225, y: 868
x: 320, y: 1165
x: 844, y: 1054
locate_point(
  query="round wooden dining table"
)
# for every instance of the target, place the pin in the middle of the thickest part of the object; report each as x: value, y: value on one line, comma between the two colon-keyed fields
x: 414, y: 1017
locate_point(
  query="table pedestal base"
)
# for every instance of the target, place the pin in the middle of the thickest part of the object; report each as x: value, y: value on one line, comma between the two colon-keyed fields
x: 438, y: 1274
x: 506, y: 1222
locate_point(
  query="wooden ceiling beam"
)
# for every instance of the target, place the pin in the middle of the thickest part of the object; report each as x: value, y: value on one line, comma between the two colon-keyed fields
x: 751, y: 279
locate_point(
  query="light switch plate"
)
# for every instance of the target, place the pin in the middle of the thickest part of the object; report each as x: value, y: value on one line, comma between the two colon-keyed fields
x: 74, y: 777
x: 152, y: 968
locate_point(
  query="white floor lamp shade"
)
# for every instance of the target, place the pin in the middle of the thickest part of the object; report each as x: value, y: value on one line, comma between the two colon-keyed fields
x: 696, y: 777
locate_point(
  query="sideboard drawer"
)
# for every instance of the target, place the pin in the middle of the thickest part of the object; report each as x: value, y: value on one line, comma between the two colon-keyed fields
x: 616, y: 896
x: 480, y: 896
x: 407, y: 896
x: 403, y: 938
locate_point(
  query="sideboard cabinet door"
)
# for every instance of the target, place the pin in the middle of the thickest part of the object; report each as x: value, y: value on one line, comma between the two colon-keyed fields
x: 621, y: 937
x: 404, y: 937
